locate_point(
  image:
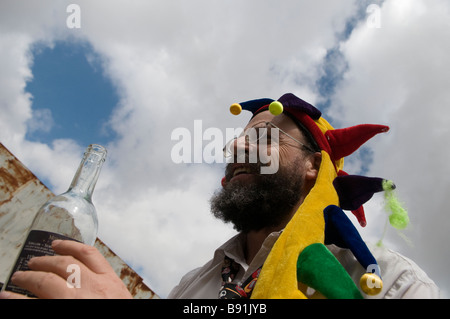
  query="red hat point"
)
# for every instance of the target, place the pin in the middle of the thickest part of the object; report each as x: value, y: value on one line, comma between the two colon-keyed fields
x: 345, y: 141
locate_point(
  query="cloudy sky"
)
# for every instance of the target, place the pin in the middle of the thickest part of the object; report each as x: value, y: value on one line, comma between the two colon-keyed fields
x: 128, y: 74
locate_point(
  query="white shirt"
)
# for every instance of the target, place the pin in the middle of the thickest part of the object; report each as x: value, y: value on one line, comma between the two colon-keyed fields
x: 402, y: 278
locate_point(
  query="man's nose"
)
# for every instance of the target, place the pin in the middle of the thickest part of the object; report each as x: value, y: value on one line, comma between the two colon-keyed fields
x: 243, y: 150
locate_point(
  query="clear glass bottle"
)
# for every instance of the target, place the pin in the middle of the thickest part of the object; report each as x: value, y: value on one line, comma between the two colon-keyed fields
x: 70, y: 215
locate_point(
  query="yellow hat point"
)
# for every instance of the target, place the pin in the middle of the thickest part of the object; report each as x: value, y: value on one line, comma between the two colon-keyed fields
x: 371, y: 284
x: 276, y: 108
x: 235, y: 109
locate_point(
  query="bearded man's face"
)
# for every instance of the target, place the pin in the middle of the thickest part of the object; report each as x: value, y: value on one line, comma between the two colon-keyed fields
x: 267, y: 201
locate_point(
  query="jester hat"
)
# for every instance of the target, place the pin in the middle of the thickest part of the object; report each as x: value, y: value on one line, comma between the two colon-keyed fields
x: 299, y: 252
x: 353, y: 190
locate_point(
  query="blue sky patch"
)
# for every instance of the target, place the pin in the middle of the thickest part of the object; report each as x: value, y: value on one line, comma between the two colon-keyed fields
x: 71, y: 96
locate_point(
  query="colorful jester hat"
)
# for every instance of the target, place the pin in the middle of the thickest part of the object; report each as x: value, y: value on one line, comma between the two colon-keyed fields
x: 300, y: 257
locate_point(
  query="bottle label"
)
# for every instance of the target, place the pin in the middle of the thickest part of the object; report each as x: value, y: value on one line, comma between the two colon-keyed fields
x: 38, y: 243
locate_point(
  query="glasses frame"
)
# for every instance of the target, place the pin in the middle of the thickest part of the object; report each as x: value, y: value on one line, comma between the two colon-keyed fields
x: 227, y: 153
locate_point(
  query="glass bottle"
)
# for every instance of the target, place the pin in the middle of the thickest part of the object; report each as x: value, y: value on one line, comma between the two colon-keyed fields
x: 70, y: 215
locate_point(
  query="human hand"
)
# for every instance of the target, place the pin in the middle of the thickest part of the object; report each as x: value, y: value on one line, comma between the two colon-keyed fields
x: 48, y: 277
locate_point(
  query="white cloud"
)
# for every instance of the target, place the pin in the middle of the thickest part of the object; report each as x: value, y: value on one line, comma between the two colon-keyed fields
x: 41, y: 120
x: 15, y: 104
x: 176, y: 62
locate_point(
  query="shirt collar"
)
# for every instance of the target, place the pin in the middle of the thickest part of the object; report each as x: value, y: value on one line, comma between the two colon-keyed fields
x: 234, y: 248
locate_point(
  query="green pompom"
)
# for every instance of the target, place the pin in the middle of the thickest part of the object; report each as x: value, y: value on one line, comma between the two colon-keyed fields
x: 388, y: 185
x: 399, y: 216
x: 276, y: 108
x: 399, y: 220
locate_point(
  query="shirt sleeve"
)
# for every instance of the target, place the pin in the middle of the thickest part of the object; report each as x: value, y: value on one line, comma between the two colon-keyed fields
x: 405, y: 279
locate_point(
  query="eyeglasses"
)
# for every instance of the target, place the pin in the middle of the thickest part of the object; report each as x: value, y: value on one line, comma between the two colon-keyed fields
x: 257, y: 133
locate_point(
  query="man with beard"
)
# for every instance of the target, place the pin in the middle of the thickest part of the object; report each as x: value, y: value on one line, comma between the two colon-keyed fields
x: 277, y: 216
x: 260, y: 207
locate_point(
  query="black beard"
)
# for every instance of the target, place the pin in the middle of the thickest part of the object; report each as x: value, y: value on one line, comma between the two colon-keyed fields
x: 266, y: 203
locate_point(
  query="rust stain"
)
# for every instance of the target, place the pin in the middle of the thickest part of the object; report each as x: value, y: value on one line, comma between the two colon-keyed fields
x: 13, y: 175
x: 131, y: 279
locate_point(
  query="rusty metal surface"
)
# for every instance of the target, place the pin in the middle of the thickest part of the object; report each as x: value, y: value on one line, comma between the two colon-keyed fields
x: 21, y: 195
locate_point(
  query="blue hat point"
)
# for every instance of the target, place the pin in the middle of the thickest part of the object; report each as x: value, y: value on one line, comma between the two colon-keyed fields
x: 287, y: 102
x: 253, y: 106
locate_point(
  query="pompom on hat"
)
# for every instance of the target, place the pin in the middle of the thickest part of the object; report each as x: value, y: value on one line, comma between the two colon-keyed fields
x: 300, y: 250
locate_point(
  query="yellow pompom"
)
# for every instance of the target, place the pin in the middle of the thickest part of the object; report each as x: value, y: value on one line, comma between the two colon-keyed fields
x: 276, y: 108
x: 235, y: 109
x: 371, y: 284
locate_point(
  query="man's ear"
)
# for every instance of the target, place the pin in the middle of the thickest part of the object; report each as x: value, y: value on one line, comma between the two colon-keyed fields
x: 313, y: 165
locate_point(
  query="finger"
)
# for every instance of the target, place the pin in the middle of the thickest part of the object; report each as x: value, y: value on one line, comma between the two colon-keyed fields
x: 88, y: 255
x: 42, y: 284
x: 12, y: 295
x: 55, y: 264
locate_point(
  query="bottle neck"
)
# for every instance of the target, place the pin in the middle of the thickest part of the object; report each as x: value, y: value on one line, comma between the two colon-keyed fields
x: 87, y: 174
